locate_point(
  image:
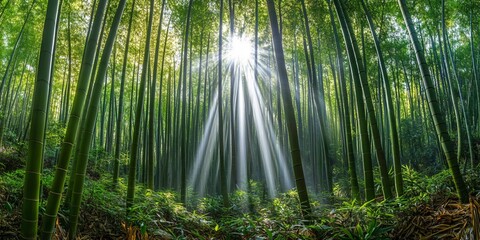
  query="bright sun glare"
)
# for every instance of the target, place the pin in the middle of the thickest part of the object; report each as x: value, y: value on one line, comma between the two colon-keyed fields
x: 240, y: 50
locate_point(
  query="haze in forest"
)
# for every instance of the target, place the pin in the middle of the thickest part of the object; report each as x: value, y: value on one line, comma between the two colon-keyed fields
x: 239, y: 119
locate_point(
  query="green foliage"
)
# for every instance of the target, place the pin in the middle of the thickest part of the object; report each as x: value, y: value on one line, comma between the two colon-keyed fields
x: 472, y: 179
x: 9, y: 137
x: 420, y: 149
x: 12, y: 158
x: 372, y: 230
x: 12, y: 182
x: 11, y: 185
x: 99, y: 160
x: 53, y: 138
x: 241, y: 200
x: 341, y: 188
x: 159, y: 214
x: 419, y: 187
x: 212, y: 206
x: 285, y: 208
x: 251, y: 213
x: 100, y: 194
x: 10, y: 201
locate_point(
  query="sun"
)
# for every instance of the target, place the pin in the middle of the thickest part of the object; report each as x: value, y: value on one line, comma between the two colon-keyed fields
x: 240, y: 50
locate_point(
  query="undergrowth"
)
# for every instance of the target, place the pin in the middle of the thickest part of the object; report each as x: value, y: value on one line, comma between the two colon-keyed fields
x: 159, y: 215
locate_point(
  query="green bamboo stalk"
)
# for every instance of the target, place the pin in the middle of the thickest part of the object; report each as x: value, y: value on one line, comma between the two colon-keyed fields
x: 438, y: 119
x: 55, y: 194
x: 37, y: 131
x: 289, y: 112
x: 116, y: 164
x: 223, y: 175
x: 397, y: 164
x: 91, y: 113
x: 138, y: 115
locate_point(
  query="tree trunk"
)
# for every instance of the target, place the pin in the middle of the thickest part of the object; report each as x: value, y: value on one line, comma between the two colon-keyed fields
x: 361, y: 86
x: 91, y: 113
x: 223, y: 176
x: 151, y: 117
x: 348, y: 129
x: 34, y: 160
x: 439, y: 121
x: 289, y: 112
x: 118, y: 139
x: 397, y: 164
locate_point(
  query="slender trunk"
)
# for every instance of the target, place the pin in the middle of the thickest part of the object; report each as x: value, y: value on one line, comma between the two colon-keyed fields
x: 49, y: 97
x: 118, y: 145
x: 289, y: 112
x: 450, y: 86
x: 223, y: 177
x: 360, y: 79
x: 475, y: 78
x: 183, y: 151
x: 81, y: 130
x: 459, y: 101
x: 233, y: 106
x: 34, y: 161
x: 69, y: 78
x: 151, y: 117
x: 111, y: 107
x: 162, y: 135
x: 397, y: 164
x: 319, y: 106
x: 439, y: 121
x: 138, y: 115
x: 348, y: 129
x: 91, y: 113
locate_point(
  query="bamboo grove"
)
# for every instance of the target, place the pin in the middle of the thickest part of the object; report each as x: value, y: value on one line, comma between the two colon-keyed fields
x: 208, y: 97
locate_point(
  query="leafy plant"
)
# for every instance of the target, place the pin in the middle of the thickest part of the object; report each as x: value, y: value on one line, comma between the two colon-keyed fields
x: 371, y: 230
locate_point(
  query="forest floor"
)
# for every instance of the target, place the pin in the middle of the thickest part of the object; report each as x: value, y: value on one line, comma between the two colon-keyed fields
x: 428, y: 210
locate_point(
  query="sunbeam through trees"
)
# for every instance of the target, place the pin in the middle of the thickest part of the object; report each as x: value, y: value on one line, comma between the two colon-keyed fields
x: 239, y: 119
